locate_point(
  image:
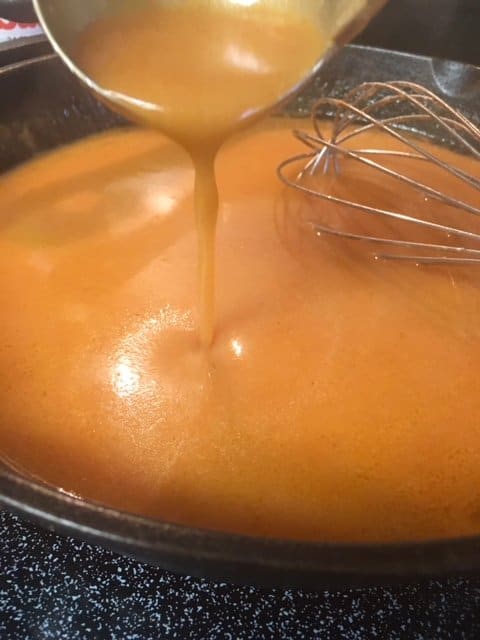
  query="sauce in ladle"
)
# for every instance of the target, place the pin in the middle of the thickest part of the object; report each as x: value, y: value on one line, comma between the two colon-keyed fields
x: 198, y: 72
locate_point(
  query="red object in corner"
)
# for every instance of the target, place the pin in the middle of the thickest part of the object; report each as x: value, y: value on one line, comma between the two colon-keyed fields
x: 10, y: 30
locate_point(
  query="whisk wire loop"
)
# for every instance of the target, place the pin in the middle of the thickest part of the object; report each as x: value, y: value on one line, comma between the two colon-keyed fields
x: 407, y: 112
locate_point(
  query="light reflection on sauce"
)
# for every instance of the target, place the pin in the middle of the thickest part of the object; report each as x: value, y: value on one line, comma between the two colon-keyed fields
x: 125, y: 378
x: 237, y: 347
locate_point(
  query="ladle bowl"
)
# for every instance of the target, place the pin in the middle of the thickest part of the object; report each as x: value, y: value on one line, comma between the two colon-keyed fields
x: 64, y: 20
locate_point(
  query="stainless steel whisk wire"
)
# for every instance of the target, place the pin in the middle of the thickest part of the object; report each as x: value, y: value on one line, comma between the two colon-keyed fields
x: 360, y: 111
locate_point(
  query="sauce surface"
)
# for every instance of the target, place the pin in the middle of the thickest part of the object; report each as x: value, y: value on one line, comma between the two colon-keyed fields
x: 199, y: 71
x: 340, y: 399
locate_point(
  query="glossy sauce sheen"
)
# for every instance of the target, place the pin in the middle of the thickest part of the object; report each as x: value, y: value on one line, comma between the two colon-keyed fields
x: 199, y: 71
x: 339, y: 401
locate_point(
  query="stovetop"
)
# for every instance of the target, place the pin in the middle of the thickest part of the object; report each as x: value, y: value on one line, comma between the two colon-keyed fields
x: 58, y: 588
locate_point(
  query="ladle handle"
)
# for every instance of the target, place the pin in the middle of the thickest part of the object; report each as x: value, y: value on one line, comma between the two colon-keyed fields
x: 17, y: 10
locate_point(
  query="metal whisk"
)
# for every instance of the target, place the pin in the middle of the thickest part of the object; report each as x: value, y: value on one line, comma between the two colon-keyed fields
x: 407, y: 112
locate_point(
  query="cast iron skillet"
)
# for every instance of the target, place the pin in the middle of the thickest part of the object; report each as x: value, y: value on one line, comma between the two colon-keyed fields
x: 41, y: 107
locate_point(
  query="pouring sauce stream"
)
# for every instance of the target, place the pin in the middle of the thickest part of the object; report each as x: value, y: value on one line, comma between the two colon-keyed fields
x: 198, y: 73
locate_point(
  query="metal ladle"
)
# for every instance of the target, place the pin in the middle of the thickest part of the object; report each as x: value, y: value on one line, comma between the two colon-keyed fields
x: 63, y: 20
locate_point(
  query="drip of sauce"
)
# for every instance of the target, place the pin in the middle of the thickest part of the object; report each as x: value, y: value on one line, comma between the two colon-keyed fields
x: 341, y: 400
x: 198, y: 72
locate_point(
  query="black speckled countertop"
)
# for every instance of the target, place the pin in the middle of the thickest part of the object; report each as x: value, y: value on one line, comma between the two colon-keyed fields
x: 61, y: 589
x: 58, y: 588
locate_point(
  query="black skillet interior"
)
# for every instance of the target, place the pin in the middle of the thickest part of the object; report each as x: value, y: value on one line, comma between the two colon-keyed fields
x: 41, y: 107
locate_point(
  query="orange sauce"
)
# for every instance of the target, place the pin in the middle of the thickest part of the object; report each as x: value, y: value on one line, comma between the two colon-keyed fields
x: 198, y: 72
x: 340, y: 399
